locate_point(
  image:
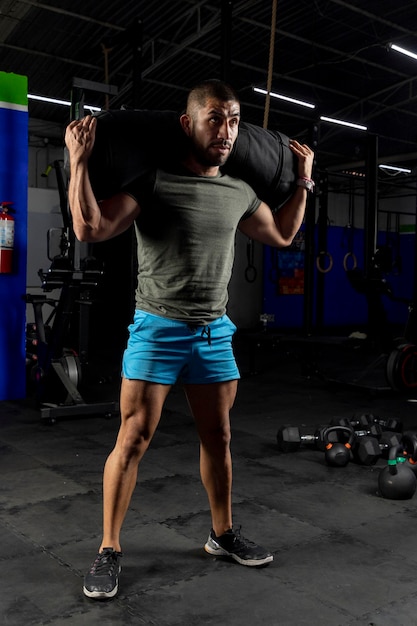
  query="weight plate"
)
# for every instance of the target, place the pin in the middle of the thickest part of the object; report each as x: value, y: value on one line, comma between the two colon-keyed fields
x: 72, y: 368
x: 401, y: 368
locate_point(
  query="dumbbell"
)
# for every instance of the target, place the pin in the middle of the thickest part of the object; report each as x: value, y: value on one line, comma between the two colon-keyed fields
x: 391, y: 424
x: 289, y: 438
x: 325, y: 438
x: 367, y: 450
x: 372, y: 430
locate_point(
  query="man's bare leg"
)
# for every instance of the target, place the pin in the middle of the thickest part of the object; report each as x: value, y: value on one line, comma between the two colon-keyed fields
x: 141, y: 405
x: 210, y: 405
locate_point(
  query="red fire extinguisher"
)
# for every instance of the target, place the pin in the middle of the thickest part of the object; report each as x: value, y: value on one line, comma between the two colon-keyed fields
x: 6, y: 237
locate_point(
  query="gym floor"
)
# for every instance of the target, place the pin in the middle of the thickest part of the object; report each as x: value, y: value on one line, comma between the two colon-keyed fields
x: 343, y: 555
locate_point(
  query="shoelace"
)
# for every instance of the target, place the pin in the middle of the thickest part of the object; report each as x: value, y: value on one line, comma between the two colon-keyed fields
x: 241, y: 541
x: 105, y: 562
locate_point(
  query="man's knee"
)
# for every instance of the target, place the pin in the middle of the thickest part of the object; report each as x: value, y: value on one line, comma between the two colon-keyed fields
x: 132, y: 442
x: 217, y: 438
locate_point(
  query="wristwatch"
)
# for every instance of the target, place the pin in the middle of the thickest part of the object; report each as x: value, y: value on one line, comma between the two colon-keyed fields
x: 306, y: 183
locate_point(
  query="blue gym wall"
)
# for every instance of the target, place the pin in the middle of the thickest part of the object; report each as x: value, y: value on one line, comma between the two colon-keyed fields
x: 342, y: 305
x: 13, y: 187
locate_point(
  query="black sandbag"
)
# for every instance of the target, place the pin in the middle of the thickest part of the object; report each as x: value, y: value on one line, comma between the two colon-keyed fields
x: 131, y: 142
x: 263, y: 159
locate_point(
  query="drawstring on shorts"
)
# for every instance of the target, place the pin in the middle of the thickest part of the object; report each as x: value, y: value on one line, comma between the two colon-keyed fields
x: 206, y: 332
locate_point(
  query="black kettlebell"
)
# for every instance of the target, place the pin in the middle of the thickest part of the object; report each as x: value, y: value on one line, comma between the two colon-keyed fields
x: 397, y: 481
x: 409, y: 443
x: 337, y: 453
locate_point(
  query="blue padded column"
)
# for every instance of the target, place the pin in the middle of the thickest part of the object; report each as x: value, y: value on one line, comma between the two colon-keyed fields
x: 13, y: 188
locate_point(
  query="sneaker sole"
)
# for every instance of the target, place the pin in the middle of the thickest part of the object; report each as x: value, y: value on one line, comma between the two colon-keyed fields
x: 101, y: 595
x: 216, y: 550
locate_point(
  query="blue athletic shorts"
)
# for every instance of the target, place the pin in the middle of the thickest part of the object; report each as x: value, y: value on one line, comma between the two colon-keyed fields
x: 165, y: 351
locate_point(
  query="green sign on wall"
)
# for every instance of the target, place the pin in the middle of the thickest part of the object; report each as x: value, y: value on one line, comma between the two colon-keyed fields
x: 13, y: 91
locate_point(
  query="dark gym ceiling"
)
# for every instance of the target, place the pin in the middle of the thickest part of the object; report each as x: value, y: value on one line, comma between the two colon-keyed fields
x: 331, y: 53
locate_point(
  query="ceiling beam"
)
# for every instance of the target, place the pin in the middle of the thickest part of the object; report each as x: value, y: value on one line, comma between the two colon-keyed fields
x: 78, y: 16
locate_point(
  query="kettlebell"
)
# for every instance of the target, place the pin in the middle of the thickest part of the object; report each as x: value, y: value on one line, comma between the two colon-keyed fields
x: 397, y: 481
x: 409, y: 443
x: 337, y: 453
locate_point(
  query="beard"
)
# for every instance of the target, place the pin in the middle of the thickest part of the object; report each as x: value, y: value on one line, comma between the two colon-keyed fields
x: 207, y: 155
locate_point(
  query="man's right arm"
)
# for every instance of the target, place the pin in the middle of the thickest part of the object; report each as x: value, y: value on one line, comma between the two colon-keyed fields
x: 93, y: 221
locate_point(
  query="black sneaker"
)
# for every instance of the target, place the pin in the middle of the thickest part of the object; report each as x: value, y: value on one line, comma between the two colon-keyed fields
x: 102, y: 579
x: 241, y: 550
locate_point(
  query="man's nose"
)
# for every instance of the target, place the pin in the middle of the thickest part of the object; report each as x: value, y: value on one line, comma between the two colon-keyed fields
x: 225, y: 131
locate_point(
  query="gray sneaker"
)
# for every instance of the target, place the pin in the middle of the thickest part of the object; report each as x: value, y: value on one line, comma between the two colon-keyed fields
x: 102, y: 579
x: 242, y: 550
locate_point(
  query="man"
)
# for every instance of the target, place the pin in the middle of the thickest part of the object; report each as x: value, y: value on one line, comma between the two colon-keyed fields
x: 185, y: 221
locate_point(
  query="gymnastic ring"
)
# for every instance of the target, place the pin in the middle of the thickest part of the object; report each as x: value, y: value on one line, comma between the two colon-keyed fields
x: 251, y: 274
x: 349, y: 255
x: 319, y: 256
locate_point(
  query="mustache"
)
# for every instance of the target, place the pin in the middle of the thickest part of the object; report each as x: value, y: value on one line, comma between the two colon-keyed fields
x: 224, y: 143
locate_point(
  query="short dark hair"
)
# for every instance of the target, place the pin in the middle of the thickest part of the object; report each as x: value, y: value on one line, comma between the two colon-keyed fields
x: 211, y: 88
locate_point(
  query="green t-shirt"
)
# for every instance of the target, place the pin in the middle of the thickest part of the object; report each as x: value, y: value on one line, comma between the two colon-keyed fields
x: 186, y: 242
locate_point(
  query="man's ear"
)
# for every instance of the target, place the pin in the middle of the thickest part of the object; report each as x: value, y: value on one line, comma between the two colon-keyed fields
x: 185, y: 121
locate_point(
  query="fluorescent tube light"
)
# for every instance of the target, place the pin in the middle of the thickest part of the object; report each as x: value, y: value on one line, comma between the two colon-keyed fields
x: 66, y: 103
x: 395, y: 169
x: 407, y: 53
x: 286, y: 98
x: 332, y: 120
x: 310, y: 106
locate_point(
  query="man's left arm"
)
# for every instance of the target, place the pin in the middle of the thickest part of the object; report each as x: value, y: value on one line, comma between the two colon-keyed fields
x: 279, y: 229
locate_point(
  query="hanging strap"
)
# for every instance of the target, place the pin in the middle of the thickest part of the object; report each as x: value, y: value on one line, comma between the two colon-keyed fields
x: 250, y: 271
x: 350, y: 261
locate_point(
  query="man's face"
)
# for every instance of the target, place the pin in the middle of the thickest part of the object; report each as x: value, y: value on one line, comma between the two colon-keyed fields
x: 213, y: 130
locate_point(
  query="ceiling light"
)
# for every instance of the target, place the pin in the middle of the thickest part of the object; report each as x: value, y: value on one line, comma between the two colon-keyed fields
x: 332, y: 120
x: 310, y: 106
x: 286, y: 98
x: 408, y: 53
x: 395, y: 169
x: 354, y: 173
x: 66, y: 103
